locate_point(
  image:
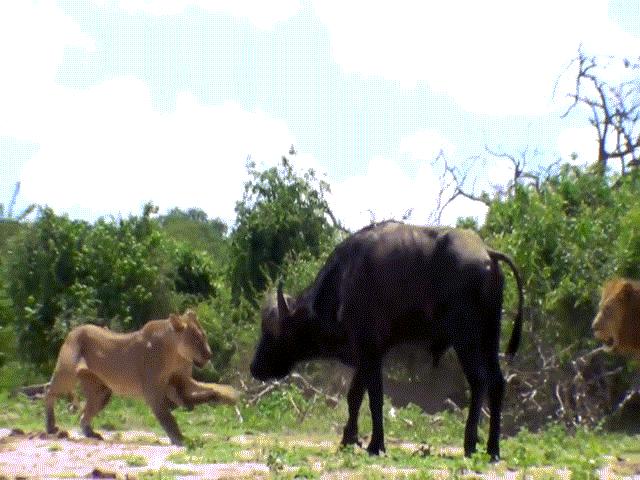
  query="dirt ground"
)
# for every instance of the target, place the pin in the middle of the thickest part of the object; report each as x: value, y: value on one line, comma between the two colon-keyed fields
x: 40, y: 456
x: 44, y: 456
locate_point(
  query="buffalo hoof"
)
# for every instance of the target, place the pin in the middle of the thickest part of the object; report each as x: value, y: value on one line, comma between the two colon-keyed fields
x: 350, y: 440
x: 469, y: 451
x: 375, y: 449
x: 494, y: 458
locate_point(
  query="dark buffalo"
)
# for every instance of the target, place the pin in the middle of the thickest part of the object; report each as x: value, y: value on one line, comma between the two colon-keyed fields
x: 390, y: 283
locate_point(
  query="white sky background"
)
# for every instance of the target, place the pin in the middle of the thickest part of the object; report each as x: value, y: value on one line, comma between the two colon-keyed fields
x: 90, y: 134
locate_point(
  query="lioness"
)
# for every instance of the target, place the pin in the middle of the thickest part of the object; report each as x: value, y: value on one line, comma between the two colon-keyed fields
x: 617, y: 323
x: 153, y: 363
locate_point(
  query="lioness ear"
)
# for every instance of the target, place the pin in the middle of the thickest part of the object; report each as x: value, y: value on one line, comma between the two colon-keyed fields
x: 627, y: 289
x: 177, y: 323
x: 191, y: 315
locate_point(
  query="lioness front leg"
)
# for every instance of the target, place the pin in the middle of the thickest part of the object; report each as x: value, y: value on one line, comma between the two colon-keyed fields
x: 194, y: 393
x: 160, y: 405
x: 97, y: 395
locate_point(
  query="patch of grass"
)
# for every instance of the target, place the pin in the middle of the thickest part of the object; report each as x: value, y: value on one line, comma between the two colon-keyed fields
x: 295, y: 434
x: 14, y: 374
x: 132, y: 460
x: 163, y: 474
x: 55, y: 447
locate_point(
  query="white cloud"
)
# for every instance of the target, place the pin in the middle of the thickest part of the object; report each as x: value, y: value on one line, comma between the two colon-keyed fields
x: 262, y: 14
x: 496, y: 56
x: 425, y: 146
x: 105, y: 150
x: 409, y: 181
x: 581, y: 142
x: 109, y: 152
x: 384, y: 191
x: 32, y: 42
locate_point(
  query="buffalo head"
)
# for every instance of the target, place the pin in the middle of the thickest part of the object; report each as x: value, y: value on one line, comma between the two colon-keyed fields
x: 281, y: 341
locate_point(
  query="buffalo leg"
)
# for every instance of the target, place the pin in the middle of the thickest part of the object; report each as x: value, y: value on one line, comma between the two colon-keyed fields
x: 374, y: 388
x: 354, y: 401
x: 475, y: 372
x: 496, y: 394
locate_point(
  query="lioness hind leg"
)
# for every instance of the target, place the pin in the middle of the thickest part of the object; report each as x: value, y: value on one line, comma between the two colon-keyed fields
x: 62, y: 383
x: 97, y: 395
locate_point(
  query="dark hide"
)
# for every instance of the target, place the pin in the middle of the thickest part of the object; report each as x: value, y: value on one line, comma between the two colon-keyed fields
x: 386, y: 284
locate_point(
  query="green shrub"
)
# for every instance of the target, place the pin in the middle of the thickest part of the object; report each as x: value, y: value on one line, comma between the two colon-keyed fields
x: 281, y: 214
x: 567, y: 236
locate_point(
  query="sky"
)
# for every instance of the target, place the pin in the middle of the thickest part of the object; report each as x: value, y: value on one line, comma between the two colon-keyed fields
x: 108, y: 104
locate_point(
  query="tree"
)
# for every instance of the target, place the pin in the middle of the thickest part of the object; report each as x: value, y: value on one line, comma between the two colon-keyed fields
x: 194, y: 228
x: 41, y: 265
x: 64, y: 272
x: 9, y: 214
x: 614, y: 106
x: 281, y: 213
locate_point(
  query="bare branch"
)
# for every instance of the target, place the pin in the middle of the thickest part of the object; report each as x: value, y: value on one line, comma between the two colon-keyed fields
x: 614, y: 108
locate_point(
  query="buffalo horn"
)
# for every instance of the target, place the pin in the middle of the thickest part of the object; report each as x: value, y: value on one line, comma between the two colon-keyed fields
x: 283, y: 308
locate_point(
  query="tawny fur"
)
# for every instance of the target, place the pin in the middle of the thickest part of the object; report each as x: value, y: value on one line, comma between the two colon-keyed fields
x: 617, y: 322
x: 154, y: 363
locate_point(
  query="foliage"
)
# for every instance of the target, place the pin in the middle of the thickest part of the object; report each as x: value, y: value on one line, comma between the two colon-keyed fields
x: 196, y: 273
x: 41, y: 266
x: 281, y: 213
x: 124, y: 272
x: 7, y: 333
x: 299, y: 270
x: 198, y: 232
x: 231, y: 331
x: 567, y: 235
x: 627, y: 245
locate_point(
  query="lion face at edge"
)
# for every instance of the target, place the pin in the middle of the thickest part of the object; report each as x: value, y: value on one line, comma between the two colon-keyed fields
x: 617, y: 324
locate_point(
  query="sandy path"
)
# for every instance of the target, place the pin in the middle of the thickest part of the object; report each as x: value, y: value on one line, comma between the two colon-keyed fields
x: 39, y: 456
x: 34, y: 456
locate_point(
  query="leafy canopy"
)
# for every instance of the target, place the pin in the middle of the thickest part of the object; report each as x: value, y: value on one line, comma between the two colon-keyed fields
x: 281, y: 214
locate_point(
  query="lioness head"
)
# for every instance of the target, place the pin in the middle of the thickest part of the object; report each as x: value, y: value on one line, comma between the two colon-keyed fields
x: 193, y: 344
x: 617, y: 322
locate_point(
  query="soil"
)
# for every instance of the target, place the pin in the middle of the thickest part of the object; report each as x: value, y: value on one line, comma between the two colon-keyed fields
x: 41, y: 456
x: 47, y: 456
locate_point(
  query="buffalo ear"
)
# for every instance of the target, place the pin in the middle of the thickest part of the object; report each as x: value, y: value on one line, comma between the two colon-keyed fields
x: 283, y: 308
x: 177, y: 322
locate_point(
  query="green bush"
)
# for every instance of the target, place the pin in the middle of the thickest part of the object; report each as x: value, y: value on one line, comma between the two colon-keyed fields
x: 196, y: 274
x: 567, y: 236
x: 232, y: 330
x: 41, y: 265
x: 281, y: 214
x: 62, y: 273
